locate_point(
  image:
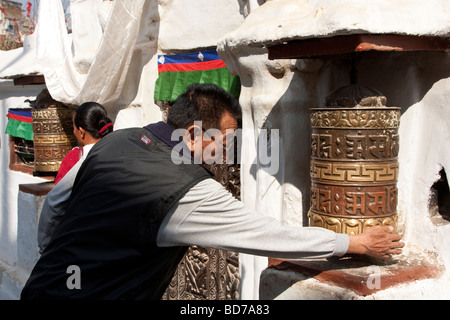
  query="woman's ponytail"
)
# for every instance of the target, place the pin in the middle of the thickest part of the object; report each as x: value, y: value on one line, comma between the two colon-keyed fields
x: 92, y: 117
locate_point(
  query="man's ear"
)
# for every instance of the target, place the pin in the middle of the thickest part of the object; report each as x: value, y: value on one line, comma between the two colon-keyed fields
x: 193, y: 135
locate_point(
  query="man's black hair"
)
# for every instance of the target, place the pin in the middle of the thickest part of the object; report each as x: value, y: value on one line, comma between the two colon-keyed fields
x: 203, y: 102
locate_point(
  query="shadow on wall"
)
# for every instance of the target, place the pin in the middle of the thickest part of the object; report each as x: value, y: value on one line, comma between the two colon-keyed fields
x: 403, y: 77
x: 313, y: 79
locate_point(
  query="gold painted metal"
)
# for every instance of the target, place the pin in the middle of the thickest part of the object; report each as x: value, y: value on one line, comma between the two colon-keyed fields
x: 354, y: 171
x: 368, y: 144
x: 354, y: 165
x: 52, y: 136
x: 345, y: 200
x: 348, y: 225
x: 362, y: 118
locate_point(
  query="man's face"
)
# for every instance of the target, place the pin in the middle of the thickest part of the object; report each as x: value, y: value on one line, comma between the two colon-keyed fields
x: 215, y: 146
x: 210, y: 146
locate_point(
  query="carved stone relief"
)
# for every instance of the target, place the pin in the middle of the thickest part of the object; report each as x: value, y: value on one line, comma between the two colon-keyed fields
x: 205, y: 273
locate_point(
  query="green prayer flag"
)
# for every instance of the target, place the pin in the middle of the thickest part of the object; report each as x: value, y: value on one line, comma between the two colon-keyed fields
x: 19, y: 129
x: 177, y: 71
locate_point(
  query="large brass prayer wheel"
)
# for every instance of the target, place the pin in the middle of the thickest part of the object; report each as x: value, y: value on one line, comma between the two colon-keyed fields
x: 52, y: 136
x: 354, y: 164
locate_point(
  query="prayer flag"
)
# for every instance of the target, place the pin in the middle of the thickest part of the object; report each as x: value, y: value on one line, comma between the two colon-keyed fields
x: 177, y: 71
x: 20, y: 124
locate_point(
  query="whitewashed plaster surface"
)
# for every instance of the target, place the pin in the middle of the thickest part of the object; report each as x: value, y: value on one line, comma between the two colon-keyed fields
x: 109, y: 57
x: 281, y: 20
x: 277, y: 94
x: 197, y: 25
x: 20, y: 61
x: 11, y: 97
x: 170, y: 27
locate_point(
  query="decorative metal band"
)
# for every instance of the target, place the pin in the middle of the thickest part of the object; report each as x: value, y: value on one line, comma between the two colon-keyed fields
x: 52, y: 166
x: 51, y: 113
x: 360, y: 145
x: 354, y: 202
x: 53, y: 126
x: 53, y: 139
x: 354, y: 172
x: 356, y: 118
x: 52, y: 136
x: 348, y: 225
x: 50, y: 154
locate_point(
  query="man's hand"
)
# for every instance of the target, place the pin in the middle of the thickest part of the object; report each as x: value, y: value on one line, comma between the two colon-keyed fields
x: 377, y: 242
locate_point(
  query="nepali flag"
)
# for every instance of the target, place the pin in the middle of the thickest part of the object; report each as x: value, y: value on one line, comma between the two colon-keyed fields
x: 177, y: 71
x: 20, y: 123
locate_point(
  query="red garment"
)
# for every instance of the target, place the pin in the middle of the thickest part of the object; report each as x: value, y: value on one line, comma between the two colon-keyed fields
x: 68, y: 162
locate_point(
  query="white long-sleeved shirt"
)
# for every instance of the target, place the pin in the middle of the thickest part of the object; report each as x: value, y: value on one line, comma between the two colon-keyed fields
x: 209, y: 216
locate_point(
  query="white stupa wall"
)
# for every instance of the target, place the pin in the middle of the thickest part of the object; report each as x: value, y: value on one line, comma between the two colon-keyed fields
x: 279, y: 93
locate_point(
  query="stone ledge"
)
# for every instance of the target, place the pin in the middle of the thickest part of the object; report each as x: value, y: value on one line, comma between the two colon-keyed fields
x: 351, y: 274
x: 37, y: 189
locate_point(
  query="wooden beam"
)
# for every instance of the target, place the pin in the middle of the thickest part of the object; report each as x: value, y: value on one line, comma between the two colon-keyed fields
x: 323, y: 47
x: 29, y: 80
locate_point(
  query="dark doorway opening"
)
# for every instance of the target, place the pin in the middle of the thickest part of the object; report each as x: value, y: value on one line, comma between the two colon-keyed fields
x: 440, y: 198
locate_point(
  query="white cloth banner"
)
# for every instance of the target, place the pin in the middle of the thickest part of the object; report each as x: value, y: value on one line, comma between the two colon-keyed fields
x: 75, y: 70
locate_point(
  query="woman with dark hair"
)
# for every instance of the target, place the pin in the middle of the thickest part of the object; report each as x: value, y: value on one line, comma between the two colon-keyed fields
x: 90, y: 124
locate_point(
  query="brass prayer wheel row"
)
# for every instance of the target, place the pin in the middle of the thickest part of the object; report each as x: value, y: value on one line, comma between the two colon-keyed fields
x: 354, y: 165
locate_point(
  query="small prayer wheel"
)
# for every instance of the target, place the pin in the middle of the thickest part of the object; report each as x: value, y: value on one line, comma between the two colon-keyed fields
x: 354, y: 161
x: 52, y: 136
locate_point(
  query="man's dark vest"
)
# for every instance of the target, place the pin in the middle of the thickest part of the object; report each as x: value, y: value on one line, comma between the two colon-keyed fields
x: 121, y: 194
